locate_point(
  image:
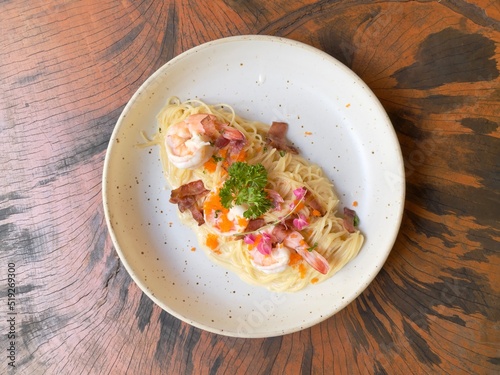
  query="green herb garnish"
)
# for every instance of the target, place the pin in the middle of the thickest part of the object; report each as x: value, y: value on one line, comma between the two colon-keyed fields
x: 313, y: 247
x: 355, y: 220
x: 245, y: 186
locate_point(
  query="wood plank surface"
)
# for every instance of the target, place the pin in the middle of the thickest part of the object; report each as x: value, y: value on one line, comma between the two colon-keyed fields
x: 67, y: 69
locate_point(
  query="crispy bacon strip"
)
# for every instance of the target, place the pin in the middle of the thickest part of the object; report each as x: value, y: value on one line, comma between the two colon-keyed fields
x: 349, y: 219
x: 255, y: 224
x: 224, y: 135
x: 211, y: 125
x: 276, y: 137
x: 191, y: 188
x: 186, y: 197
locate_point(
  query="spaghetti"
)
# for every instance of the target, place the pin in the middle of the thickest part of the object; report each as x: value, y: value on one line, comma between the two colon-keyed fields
x: 295, y: 239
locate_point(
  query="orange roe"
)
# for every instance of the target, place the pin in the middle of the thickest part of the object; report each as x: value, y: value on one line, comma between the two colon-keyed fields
x: 241, y: 156
x: 210, y: 165
x: 298, y: 205
x: 225, y: 225
x: 193, y: 248
x: 302, y: 270
x: 316, y: 213
x: 242, y: 222
x: 295, y: 259
x: 212, y: 242
x: 355, y: 204
x: 213, y: 203
x: 297, y: 262
x: 223, y: 153
x: 314, y: 280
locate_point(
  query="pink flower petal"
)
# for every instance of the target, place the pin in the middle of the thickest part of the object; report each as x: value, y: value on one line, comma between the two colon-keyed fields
x: 249, y: 239
x: 265, y: 245
x: 300, y: 222
x: 300, y: 192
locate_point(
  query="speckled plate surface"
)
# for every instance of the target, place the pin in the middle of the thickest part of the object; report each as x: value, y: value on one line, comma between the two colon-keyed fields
x: 336, y: 121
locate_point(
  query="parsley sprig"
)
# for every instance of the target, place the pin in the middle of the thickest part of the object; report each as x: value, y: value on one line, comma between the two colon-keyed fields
x: 245, y: 186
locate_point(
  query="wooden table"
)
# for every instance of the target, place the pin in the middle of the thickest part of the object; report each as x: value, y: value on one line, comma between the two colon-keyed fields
x: 68, y: 68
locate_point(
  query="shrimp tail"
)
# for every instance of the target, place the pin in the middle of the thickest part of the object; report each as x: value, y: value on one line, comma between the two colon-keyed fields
x: 296, y: 241
x: 315, y: 260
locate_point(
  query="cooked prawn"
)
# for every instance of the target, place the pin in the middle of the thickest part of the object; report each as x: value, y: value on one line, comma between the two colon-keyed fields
x: 187, y: 143
x: 271, y: 254
x: 294, y: 240
x: 274, y: 262
x: 191, y: 142
x: 225, y: 221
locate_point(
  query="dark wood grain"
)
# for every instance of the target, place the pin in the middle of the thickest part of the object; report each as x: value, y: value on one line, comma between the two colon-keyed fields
x: 68, y: 68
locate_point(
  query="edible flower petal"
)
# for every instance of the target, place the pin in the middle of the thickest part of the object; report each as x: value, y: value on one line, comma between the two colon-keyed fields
x: 300, y: 192
x: 300, y: 222
x: 265, y: 245
x: 250, y: 239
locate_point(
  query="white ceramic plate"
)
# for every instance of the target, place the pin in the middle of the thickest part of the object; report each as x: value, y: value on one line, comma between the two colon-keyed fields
x: 335, y: 120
